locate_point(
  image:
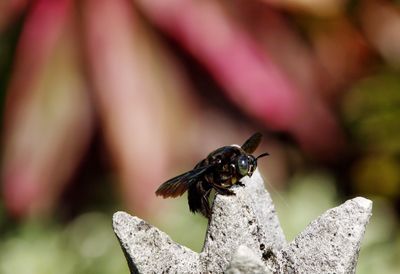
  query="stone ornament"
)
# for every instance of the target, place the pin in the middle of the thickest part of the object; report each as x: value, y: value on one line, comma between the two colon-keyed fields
x: 244, y: 236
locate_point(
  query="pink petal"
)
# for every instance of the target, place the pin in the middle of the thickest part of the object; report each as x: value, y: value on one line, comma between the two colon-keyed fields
x: 48, y: 114
x: 133, y: 87
x: 249, y: 77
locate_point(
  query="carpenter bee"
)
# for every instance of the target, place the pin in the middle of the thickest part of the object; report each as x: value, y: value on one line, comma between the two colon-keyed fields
x: 223, y: 168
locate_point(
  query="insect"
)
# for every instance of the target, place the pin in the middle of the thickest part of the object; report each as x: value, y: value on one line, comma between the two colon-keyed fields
x: 223, y: 168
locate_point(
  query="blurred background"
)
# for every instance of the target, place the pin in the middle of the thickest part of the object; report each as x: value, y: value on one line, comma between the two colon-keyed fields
x: 102, y: 101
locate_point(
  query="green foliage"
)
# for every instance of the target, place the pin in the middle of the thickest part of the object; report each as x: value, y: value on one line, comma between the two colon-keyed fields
x: 86, y: 245
x: 371, y: 110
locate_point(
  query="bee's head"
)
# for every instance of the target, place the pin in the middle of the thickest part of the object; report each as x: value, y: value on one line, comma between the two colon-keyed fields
x: 246, y: 164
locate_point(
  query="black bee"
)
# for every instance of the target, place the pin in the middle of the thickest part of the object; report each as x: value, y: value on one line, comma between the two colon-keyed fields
x: 222, y: 168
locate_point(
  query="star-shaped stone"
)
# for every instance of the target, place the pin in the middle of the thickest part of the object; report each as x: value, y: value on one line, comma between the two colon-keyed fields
x: 244, y: 236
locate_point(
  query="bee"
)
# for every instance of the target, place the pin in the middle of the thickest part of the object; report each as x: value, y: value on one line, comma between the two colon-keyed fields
x: 223, y: 168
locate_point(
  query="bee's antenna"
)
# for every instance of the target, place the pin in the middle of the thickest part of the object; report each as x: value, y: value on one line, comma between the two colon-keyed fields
x: 262, y: 155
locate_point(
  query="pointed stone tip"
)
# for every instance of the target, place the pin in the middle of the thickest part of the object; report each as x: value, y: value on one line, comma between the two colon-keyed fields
x: 248, y: 218
x: 119, y: 218
x: 363, y: 202
x: 149, y: 250
x: 123, y: 222
x: 331, y: 243
x: 119, y: 215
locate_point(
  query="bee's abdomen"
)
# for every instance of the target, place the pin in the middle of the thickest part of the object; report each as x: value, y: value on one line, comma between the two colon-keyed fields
x: 198, y: 198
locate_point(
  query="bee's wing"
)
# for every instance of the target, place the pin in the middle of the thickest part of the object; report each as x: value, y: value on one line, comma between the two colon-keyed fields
x: 252, y: 143
x: 178, y: 185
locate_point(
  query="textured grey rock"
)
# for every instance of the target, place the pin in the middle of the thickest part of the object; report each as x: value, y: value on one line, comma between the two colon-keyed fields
x: 149, y: 250
x: 244, y: 236
x: 248, y: 218
x: 245, y: 261
x: 331, y: 243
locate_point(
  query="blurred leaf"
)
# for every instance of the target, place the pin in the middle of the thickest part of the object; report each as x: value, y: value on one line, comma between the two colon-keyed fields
x: 327, y: 8
x: 48, y: 116
x: 249, y: 76
x: 380, y: 21
x: 377, y: 174
x: 371, y: 110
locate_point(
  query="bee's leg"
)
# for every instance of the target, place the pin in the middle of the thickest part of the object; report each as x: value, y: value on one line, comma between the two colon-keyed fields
x: 239, y: 183
x: 227, y: 192
x: 205, y: 209
x: 198, y: 198
x: 223, y: 191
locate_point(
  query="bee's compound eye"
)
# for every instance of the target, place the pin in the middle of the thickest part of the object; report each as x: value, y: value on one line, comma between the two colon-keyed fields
x: 242, y: 165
